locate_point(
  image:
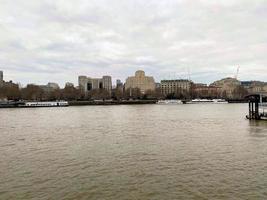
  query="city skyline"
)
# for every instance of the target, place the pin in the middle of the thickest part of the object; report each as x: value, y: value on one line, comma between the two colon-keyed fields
x: 114, y: 80
x: 56, y: 41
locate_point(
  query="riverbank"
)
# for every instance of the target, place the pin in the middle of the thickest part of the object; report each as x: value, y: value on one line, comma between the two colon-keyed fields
x: 102, y: 103
x: 237, y: 101
x: 21, y: 104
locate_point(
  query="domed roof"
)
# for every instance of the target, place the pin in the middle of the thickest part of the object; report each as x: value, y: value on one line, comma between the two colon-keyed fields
x: 140, y: 73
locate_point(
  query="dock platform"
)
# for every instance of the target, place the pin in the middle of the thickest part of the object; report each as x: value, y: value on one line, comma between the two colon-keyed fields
x: 257, y: 107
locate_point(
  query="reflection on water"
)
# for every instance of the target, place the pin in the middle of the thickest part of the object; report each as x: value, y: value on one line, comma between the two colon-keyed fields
x: 258, y: 128
x: 132, y: 152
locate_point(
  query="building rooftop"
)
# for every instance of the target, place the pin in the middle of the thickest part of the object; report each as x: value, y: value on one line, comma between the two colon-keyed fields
x: 176, y: 80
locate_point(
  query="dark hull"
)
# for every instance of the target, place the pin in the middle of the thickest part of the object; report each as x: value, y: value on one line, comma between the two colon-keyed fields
x: 22, y: 105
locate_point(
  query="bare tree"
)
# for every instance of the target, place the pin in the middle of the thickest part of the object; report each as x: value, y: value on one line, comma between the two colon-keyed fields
x: 10, y: 91
x: 32, y: 92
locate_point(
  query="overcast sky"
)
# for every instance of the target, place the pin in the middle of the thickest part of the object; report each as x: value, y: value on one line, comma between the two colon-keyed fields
x: 57, y: 40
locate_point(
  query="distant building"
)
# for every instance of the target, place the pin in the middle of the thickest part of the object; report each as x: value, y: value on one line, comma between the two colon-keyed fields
x: 175, y: 86
x: 8, y: 83
x: 54, y: 86
x: 199, y: 85
x: 227, y: 85
x: 107, y: 83
x: 1, y: 78
x: 87, y: 84
x: 246, y: 84
x: 158, y: 85
x: 68, y: 84
x: 140, y: 81
x: 119, y: 85
x: 204, y: 91
x: 50, y: 87
x: 227, y: 82
x: 255, y: 87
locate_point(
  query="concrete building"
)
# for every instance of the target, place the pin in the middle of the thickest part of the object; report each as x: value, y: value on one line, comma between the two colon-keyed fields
x: 158, y: 85
x: 201, y: 90
x: 227, y: 85
x: 255, y: 87
x: 87, y: 84
x: 50, y: 87
x: 107, y: 83
x: 6, y: 83
x: 54, y: 86
x: 175, y: 86
x: 140, y: 81
x: 246, y: 84
x: 119, y: 85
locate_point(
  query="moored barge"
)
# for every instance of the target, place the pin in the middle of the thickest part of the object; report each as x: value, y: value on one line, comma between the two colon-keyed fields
x: 46, y: 104
x: 33, y: 104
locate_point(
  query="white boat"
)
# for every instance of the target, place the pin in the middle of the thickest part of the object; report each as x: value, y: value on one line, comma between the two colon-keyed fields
x: 219, y: 101
x: 169, y: 102
x: 216, y: 101
x: 46, y: 104
x: 201, y: 101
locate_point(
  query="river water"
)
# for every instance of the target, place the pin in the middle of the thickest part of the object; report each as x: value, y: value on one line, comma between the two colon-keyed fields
x: 132, y: 152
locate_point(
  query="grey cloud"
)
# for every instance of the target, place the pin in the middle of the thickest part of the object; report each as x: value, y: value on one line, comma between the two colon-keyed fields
x: 50, y: 40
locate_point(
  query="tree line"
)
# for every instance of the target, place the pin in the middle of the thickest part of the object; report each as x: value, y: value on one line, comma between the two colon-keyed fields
x: 70, y: 93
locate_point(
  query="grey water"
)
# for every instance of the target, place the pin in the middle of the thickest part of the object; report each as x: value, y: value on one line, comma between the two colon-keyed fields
x: 132, y: 152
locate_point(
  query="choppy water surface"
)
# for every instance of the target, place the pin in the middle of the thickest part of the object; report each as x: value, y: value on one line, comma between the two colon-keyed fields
x: 132, y: 152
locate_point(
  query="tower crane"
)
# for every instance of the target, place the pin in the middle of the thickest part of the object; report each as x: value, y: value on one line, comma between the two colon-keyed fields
x: 237, y: 72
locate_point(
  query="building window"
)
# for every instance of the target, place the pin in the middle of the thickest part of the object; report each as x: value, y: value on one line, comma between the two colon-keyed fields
x: 89, y: 86
x: 100, y: 85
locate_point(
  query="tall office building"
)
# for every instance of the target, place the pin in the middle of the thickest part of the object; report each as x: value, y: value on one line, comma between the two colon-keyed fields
x: 140, y: 81
x: 87, y: 84
x: 107, y: 83
x: 119, y: 84
x: 175, y: 86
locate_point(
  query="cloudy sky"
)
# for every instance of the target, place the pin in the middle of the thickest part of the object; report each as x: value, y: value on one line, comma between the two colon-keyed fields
x: 57, y: 40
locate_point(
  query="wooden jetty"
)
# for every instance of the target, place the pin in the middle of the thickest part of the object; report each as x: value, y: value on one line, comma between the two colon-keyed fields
x: 257, y: 107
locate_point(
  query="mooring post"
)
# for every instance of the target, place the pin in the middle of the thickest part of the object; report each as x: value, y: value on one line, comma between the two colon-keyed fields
x: 255, y: 103
x: 257, y: 116
x: 251, y: 109
x: 250, y: 114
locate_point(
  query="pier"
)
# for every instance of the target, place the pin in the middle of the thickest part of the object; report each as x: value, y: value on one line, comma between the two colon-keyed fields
x: 257, y: 107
